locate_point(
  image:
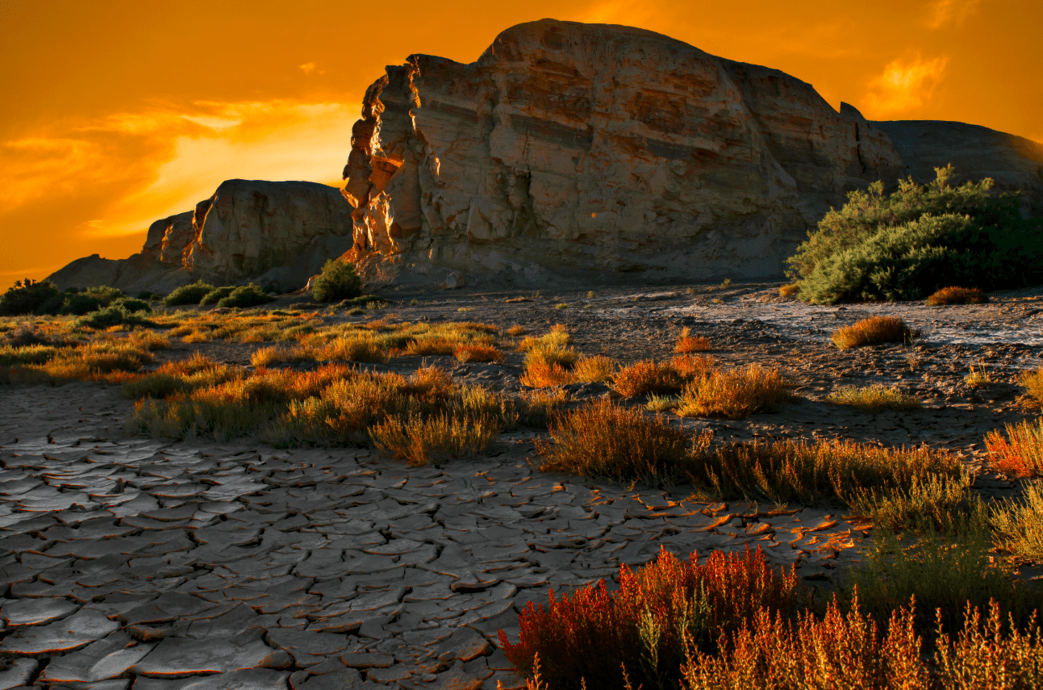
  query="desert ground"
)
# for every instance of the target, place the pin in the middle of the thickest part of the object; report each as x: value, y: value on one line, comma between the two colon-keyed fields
x: 131, y: 561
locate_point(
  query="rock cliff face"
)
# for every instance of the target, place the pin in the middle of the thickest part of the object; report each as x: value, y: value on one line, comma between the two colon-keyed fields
x: 589, y: 150
x: 274, y: 233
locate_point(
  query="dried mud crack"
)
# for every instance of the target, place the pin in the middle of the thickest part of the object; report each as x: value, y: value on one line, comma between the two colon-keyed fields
x: 132, y: 562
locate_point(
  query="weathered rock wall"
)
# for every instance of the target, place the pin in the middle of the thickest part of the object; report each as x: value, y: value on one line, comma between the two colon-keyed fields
x: 274, y: 233
x: 584, y: 151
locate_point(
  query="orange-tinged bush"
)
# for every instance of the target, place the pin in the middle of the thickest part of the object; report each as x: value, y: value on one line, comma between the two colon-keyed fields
x: 603, y: 439
x: 837, y: 651
x: 1033, y: 382
x: 543, y: 374
x: 478, y: 352
x: 957, y: 295
x: 590, y: 637
x: 1020, y: 452
x: 687, y: 343
x: 693, y: 366
x: 420, y: 441
x: 350, y: 349
x: 647, y: 377
x: 432, y: 346
x: 873, y: 331
x: 515, y: 331
x: 734, y: 394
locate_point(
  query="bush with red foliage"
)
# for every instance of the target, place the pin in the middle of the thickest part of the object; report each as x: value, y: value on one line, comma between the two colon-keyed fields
x: 641, y: 627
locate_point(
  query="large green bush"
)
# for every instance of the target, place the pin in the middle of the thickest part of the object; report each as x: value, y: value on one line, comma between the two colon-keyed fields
x: 188, y: 294
x: 91, y: 299
x: 338, y: 281
x: 31, y: 297
x: 245, y: 296
x: 217, y: 294
x: 907, y: 244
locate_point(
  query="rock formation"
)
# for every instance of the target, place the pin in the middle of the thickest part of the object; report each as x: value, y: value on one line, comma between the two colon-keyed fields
x: 588, y: 150
x: 274, y: 233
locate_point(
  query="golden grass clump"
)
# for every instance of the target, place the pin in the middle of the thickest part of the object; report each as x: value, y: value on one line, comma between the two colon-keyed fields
x: 797, y: 472
x: 1033, y: 382
x: 875, y: 398
x: 478, y: 352
x: 789, y: 290
x: 957, y: 295
x: 540, y: 373
x: 978, y: 378
x: 1020, y: 452
x: 95, y: 361
x: 420, y: 441
x: 687, y: 343
x: 556, y: 339
x: 1018, y: 525
x: 11, y: 356
x: 269, y: 356
x: 147, y: 340
x: 432, y: 346
x: 692, y: 366
x: 647, y: 377
x: 180, y: 376
x: 734, y: 394
x: 515, y: 331
x: 873, y: 331
x: 603, y: 439
x: 350, y: 348
x: 596, y: 369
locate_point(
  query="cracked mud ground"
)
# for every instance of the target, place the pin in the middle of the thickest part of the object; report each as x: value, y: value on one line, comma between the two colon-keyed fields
x: 130, y: 562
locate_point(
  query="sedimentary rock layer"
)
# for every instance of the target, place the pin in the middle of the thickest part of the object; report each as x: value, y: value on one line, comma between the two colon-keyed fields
x: 580, y: 150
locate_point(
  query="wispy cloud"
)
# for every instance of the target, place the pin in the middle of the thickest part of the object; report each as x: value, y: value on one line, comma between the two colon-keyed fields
x: 944, y: 12
x: 904, y: 85
x: 308, y: 67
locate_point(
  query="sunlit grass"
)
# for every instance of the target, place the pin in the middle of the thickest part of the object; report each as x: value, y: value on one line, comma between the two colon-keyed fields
x: 1019, y: 452
x: 875, y: 398
x: 875, y: 330
x: 1018, y: 524
x: 687, y: 343
x: 735, y: 393
x: 643, y: 378
x: 957, y: 295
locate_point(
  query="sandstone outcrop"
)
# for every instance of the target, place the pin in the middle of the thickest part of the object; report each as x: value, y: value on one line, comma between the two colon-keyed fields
x: 273, y: 233
x: 1015, y: 163
x: 587, y: 151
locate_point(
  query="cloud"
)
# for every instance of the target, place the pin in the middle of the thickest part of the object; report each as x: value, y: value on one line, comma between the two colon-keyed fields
x: 310, y: 67
x: 904, y: 85
x: 951, y: 11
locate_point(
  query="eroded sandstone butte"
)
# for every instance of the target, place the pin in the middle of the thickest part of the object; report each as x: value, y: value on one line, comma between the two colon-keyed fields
x: 583, y: 150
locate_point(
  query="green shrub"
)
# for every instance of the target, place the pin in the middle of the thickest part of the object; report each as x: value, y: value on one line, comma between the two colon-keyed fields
x: 146, y: 295
x: 338, y: 281
x: 217, y: 294
x: 132, y: 305
x: 30, y: 297
x: 188, y: 294
x: 110, y: 316
x: 919, y: 239
x: 245, y: 296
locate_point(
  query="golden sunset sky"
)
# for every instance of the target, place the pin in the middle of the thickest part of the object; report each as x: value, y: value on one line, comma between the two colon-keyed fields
x: 116, y: 113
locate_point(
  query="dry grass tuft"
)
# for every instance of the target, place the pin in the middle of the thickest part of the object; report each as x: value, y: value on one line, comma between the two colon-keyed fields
x: 875, y: 398
x: 873, y: 331
x: 420, y: 441
x: 596, y: 369
x: 789, y: 290
x: 478, y: 352
x: 977, y: 378
x: 693, y: 366
x: 515, y: 331
x: 603, y: 439
x: 1018, y: 525
x: 1020, y: 453
x: 542, y: 374
x: 687, y: 343
x: 734, y: 394
x: 647, y: 377
x: 1033, y: 382
x: 957, y: 295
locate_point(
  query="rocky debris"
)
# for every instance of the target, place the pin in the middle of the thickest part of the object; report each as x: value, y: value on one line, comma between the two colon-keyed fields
x: 1015, y: 163
x: 273, y: 233
x: 575, y: 150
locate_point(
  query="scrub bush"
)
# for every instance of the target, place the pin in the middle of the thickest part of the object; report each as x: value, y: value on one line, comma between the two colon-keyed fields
x: 188, y: 294
x: 337, y: 281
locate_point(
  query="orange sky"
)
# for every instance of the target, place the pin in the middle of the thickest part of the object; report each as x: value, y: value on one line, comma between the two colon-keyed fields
x: 117, y: 113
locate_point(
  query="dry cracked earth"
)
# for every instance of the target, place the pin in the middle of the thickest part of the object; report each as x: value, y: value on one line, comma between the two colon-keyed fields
x: 130, y: 562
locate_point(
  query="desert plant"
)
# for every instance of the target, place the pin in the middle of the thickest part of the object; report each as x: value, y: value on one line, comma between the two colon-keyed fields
x: 477, y: 352
x: 31, y: 297
x: 217, y: 294
x: 637, y: 635
x: 596, y: 369
x: 543, y: 374
x: 790, y: 290
x: 1032, y: 380
x: 734, y: 394
x: 687, y: 343
x: 515, y: 331
x: 797, y: 472
x: 977, y: 378
x: 916, y: 240
x: 936, y: 502
x: 1020, y: 452
x: 12, y: 356
x: 693, y: 366
x: 957, y: 295
x: 112, y: 315
x: 603, y: 439
x: 875, y: 330
x: 420, y: 441
x: 337, y: 281
x: 647, y: 377
x: 90, y: 300
x: 540, y: 405
x: 983, y: 657
x: 132, y: 305
x: 188, y: 294
x: 875, y: 398
x: 1018, y: 524
x: 245, y: 296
